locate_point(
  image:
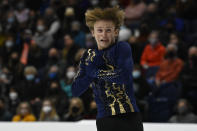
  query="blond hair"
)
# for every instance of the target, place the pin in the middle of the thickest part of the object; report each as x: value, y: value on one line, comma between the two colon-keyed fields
x: 115, y: 14
x: 30, y: 69
x: 19, y: 108
x: 52, y: 114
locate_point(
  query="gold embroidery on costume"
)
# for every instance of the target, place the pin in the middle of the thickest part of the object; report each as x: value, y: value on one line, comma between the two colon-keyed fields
x: 108, y: 72
x: 111, y: 67
x: 118, y: 95
x: 128, y: 100
x: 109, y: 94
x: 91, y: 55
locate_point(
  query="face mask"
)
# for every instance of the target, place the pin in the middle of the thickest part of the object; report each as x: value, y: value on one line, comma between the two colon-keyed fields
x: 46, y: 109
x: 13, y: 95
x: 3, y: 76
x: 182, y: 110
x: 30, y: 77
x: 11, y: 20
x: 70, y: 74
x: 52, y: 75
x: 153, y: 41
x: 170, y: 54
x: 23, y: 111
x: 136, y: 74
x: 94, y: 2
x: 40, y: 28
x: 75, y: 109
x: 113, y: 3
x: 9, y: 43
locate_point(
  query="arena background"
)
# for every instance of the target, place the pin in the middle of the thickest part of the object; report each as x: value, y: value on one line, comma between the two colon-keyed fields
x: 41, y: 42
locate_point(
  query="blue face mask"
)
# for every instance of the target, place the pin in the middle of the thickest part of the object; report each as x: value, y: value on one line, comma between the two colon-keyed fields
x: 11, y: 19
x: 52, y: 75
x: 30, y: 77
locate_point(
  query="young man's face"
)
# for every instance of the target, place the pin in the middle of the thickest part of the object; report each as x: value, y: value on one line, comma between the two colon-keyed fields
x: 104, y: 33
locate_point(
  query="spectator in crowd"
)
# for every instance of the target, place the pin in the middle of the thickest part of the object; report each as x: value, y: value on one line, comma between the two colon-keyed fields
x: 69, y: 50
x: 30, y: 87
x: 43, y: 38
x: 78, y: 34
x: 76, y: 109
x: 67, y: 82
x: 21, y: 13
x: 9, y: 25
x: 35, y: 56
x: 48, y: 112
x: 182, y: 47
x: 137, y: 48
x: 15, y: 67
x: 13, y: 101
x: 52, y: 74
x: 24, y: 113
x: 170, y: 67
x: 91, y: 114
x: 151, y: 17
x: 152, y: 55
x: 5, y: 115
x: 58, y: 98
x: 171, y: 22
x: 8, y: 48
x: 165, y: 87
x: 51, y: 20
x: 184, y: 113
x: 53, y: 57
x: 5, y: 81
x: 133, y: 12
x: 188, y: 79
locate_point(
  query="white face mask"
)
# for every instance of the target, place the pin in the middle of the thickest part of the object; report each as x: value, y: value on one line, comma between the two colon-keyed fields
x: 94, y: 2
x: 113, y: 3
x: 13, y: 95
x: 40, y: 28
x: 9, y: 43
x: 46, y: 109
x: 153, y: 41
x: 70, y: 74
x: 136, y: 74
x: 23, y: 111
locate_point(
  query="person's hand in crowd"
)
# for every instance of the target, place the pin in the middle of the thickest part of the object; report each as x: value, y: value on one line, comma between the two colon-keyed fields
x: 145, y: 66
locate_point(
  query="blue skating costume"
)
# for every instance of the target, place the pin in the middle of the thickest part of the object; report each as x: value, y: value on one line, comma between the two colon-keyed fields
x: 109, y: 72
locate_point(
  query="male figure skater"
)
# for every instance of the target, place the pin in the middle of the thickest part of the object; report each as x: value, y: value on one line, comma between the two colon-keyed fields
x: 109, y: 70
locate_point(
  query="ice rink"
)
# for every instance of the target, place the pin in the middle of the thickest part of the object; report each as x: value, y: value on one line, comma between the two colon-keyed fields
x: 85, y: 125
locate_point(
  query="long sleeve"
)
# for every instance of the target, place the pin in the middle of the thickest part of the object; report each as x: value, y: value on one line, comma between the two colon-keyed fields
x: 120, y: 74
x: 169, y: 71
x: 81, y: 81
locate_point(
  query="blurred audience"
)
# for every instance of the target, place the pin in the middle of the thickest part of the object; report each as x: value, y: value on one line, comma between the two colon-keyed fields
x: 24, y: 113
x: 48, y: 112
x: 184, y: 113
